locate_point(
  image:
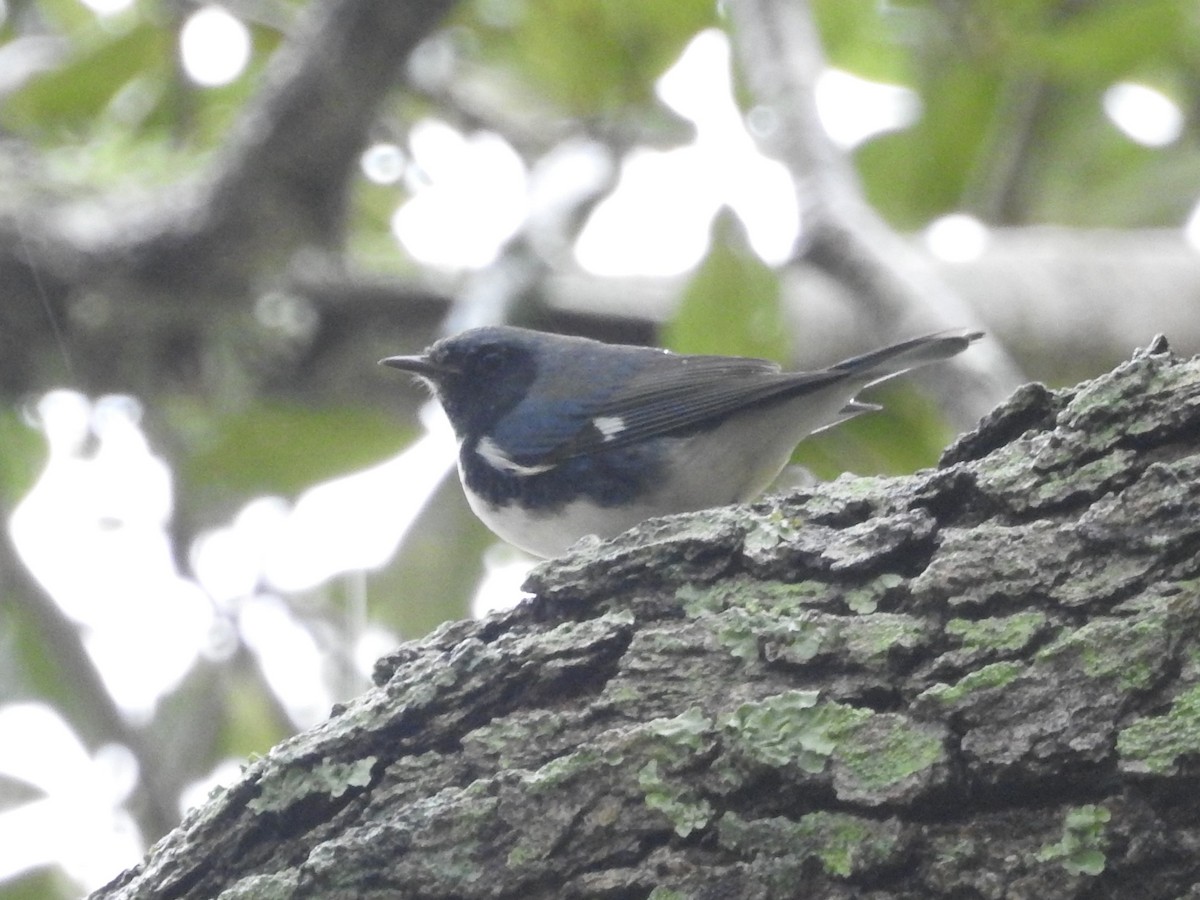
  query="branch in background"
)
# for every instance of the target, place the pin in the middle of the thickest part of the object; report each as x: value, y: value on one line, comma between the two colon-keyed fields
x: 96, y: 278
x: 781, y: 58
x: 93, y: 714
x: 175, y: 748
x: 281, y: 181
x: 1095, y: 292
x: 999, y: 187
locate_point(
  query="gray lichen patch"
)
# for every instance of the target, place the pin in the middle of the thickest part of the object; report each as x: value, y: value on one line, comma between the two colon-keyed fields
x: 686, y: 810
x: 1158, y: 745
x: 665, y: 663
x: 878, y: 644
x: 848, y: 499
x: 1157, y: 511
x: 658, y: 751
x: 794, y: 639
x: 1098, y: 579
x: 432, y: 846
x: 777, y: 545
x: 980, y: 640
x: 651, y: 553
x: 873, y: 758
x: 844, y: 844
x: 280, y: 789
x: 273, y: 886
x: 1080, y: 850
x: 786, y: 731
x: 1141, y: 398
x: 1132, y: 651
x: 587, y: 788
x: 755, y: 595
x: 786, y: 598
x: 888, y: 758
x: 1056, y: 479
x: 967, y: 690
x: 792, y: 624
x: 866, y: 597
x: 1066, y: 701
x: 505, y: 742
x: 872, y: 640
x: 1032, y: 408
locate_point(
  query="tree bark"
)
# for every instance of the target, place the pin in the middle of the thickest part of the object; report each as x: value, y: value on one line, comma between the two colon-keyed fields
x: 982, y: 680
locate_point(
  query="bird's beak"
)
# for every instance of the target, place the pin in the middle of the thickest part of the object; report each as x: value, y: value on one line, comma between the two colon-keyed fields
x: 418, y: 365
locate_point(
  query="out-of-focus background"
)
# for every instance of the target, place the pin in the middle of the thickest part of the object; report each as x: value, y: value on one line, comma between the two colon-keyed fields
x: 214, y: 219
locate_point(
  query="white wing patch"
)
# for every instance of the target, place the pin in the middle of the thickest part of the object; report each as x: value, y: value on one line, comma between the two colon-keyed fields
x: 609, y: 426
x: 498, y: 459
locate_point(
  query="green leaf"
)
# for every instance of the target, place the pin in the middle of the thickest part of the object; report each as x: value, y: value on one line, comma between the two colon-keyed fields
x: 29, y: 666
x: 69, y: 16
x: 732, y: 304
x: 914, y: 175
x: 251, y: 722
x: 1099, y: 43
x: 437, y: 569
x: 909, y: 433
x: 858, y: 37
x: 590, y: 58
x: 43, y: 883
x: 1091, y: 175
x: 74, y: 93
x: 22, y: 456
x: 1011, y: 98
x: 274, y: 448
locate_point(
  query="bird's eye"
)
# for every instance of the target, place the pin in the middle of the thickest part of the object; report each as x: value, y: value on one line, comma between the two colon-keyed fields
x: 490, y: 360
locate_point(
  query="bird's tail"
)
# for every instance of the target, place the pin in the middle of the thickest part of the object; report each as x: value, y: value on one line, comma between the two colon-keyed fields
x: 888, y: 362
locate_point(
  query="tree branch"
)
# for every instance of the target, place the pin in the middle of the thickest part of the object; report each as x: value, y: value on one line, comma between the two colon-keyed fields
x: 979, y: 675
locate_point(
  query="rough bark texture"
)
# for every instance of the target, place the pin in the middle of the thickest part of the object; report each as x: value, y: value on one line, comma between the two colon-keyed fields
x: 979, y: 681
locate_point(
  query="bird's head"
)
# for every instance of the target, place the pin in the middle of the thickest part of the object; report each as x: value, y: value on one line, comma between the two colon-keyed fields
x: 480, y: 375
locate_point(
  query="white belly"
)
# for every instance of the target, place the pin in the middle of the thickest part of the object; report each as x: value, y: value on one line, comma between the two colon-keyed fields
x: 551, y: 533
x: 732, y: 464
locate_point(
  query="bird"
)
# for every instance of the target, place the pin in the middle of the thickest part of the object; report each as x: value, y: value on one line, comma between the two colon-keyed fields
x: 560, y: 437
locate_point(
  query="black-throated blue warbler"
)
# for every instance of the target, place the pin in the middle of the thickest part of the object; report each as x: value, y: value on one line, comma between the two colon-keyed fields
x: 561, y: 437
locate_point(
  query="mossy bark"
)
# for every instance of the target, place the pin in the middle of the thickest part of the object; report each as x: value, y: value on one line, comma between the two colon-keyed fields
x: 978, y: 681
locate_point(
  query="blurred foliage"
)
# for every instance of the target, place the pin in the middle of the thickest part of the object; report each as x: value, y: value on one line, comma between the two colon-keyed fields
x: 27, y: 671
x: 83, y: 89
x: 22, y: 457
x: 270, y: 448
x: 39, y: 884
x: 1012, y: 114
x: 591, y: 59
x: 905, y: 435
x: 418, y: 590
x: 1011, y: 127
x: 114, y: 108
x: 731, y: 304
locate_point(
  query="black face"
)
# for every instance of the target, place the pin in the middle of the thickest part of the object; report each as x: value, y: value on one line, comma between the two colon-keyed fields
x: 488, y: 372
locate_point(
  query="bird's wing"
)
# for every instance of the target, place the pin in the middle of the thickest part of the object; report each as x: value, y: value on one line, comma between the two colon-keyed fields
x: 678, y: 392
x: 701, y: 389
x: 668, y: 394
